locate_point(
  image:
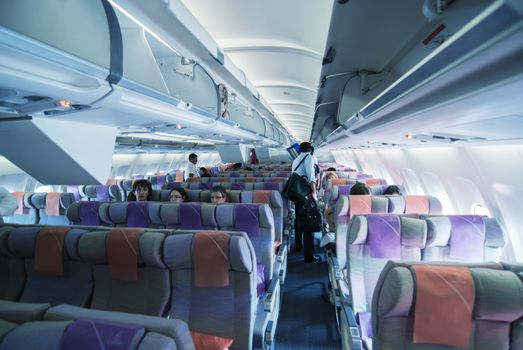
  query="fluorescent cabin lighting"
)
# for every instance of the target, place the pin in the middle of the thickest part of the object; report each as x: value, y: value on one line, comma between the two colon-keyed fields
x: 143, y: 26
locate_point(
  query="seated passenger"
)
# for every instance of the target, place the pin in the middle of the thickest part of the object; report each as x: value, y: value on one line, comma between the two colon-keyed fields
x: 177, y: 195
x: 218, y: 195
x: 204, y: 172
x: 247, y: 168
x: 142, y: 191
x: 392, y: 190
x: 358, y: 189
x: 237, y: 166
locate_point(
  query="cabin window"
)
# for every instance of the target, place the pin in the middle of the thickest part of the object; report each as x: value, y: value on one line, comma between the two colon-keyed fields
x: 508, y: 203
x: 478, y: 209
x: 464, y: 194
x: 121, y: 172
x: 411, y: 181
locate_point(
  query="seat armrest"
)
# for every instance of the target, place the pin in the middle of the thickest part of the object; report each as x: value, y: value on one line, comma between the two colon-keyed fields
x: 351, y: 338
x: 272, y: 294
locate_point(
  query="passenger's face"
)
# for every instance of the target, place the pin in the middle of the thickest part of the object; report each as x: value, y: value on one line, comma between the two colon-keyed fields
x: 217, y: 198
x: 176, y: 197
x: 141, y: 193
x: 194, y: 160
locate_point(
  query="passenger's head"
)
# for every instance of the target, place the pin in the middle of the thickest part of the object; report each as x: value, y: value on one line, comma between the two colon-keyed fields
x: 218, y: 195
x: 247, y: 168
x: 142, y: 190
x: 392, y: 190
x: 237, y: 166
x: 306, y: 147
x: 359, y: 188
x: 204, y: 172
x: 330, y: 175
x: 177, y: 195
x: 331, y: 169
x: 193, y: 158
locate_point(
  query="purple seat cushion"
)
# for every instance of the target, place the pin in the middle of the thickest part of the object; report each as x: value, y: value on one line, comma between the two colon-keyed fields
x: 97, y: 334
x: 384, y: 237
x: 467, y: 236
x: 89, y: 213
x: 205, y: 185
x: 344, y: 190
x: 171, y: 185
x: 247, y: 219
x: 160, y: 180
x: 271, y: 186
x: 137, y: 214
x: 237, y: 186
x: 102, y: 193
x: 190, y: 216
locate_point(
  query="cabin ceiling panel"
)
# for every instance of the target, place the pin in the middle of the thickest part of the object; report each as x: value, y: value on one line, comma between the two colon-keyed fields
x: 277, y: 66
x: 278, y: 44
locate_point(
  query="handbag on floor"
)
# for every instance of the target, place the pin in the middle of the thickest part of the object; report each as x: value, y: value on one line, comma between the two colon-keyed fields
x: 297, y: 188
x: 308, y: 216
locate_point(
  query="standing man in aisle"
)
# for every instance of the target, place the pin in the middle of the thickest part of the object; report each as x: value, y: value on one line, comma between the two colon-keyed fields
x: 191, y: 169
x: 303, y: 165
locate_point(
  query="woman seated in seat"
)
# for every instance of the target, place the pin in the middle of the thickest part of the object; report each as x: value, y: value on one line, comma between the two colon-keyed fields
x: 177, y: 195
x: 218, y: 195
x: 142, y: 191
x: 392, y: 190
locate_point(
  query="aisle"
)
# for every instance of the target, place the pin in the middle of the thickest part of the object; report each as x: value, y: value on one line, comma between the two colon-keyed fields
x: 306, y: 320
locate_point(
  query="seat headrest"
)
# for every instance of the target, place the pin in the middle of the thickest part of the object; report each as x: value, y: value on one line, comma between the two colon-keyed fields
x: 177, y: 250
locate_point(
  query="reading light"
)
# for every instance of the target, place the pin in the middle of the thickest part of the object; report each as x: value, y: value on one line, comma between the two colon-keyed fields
x: 179, y: 126
x: 409, y: 136
x: 64, y: 103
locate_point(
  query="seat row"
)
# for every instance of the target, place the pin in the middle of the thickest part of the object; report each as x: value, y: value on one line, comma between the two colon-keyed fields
x: 348, y: 206
x: 58, y: 329
x: 256, y: 220
x: 206, y: 279
x: 446, y: 306
x: 374, y: 239
x: 45, y: 208
x: 333, y: 193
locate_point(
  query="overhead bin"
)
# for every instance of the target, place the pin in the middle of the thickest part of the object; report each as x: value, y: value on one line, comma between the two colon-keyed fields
x: 107, y: 66
x: 481, y: 64
x: 190, y: 83
x: 71, y: 60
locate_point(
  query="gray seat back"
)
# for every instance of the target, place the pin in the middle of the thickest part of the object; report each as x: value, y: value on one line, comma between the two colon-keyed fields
x: 12, y: 269
x: 147, y: 295
x: 228, y: 310
x: 373, y: 240
x: 343, y: 214
x: 52, y: 207
x: 497, y: 309
x: 73, y: 286
x: 463, y: 238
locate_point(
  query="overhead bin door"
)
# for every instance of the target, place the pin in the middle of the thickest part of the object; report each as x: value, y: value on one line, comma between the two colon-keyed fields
x: 76, y: 27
